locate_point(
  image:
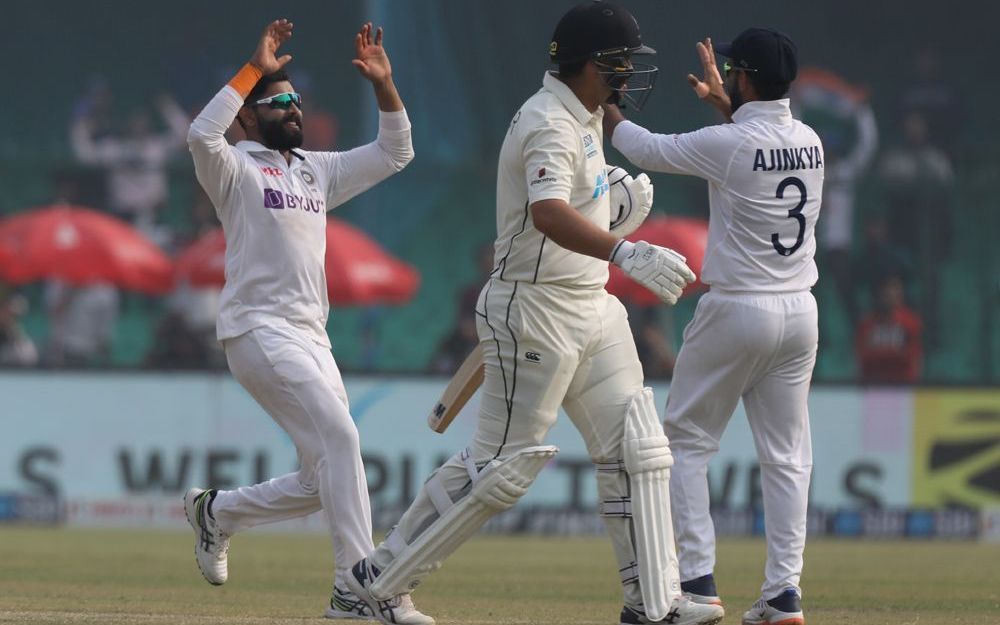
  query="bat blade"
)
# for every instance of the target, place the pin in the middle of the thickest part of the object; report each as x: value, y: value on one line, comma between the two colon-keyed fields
x: 462, y: 386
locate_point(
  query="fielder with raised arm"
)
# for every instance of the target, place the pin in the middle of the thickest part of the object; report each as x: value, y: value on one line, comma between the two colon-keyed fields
x: 272, y: 200
x: 754, y: 333
x: 551, y: 335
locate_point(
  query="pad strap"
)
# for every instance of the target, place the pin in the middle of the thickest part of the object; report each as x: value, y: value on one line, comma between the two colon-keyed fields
x: 621, y: 508
x: 629, y: 574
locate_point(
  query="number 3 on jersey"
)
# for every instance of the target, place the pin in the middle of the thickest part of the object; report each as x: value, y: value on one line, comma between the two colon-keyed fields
x: 796, y: 212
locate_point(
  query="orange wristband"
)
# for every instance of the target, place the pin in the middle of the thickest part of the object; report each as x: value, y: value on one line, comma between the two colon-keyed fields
x: 245, y: 79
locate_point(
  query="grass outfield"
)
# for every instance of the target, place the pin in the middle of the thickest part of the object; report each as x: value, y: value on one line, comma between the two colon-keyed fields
x: 137, y: 577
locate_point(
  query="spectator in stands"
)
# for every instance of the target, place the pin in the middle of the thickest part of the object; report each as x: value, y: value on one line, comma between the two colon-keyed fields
x: 451, y: 352
x: 933, y: 99
x: 889, y: 344
x: 16, y: 348
x: 177, y: 346
x: 878, y: 258
x: 843, y: 118
x: 918, y: 181
x: 135, y: 160
x: 320, y: 127
x: 653, y: 341
x: 81, y: 324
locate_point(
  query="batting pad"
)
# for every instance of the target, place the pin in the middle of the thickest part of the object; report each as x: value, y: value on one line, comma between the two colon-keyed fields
x: 496, y: 488
x: 648, y: 460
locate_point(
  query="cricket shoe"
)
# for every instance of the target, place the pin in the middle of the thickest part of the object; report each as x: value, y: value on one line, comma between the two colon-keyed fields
x: 702, y: 590
x: 344, y: 604
x: 396, y: 611
x: 785, y: 609
x: 211, y: 547
x: 683, y: 611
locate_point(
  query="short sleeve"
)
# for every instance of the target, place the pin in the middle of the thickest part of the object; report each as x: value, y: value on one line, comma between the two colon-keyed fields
x: 550, y: 153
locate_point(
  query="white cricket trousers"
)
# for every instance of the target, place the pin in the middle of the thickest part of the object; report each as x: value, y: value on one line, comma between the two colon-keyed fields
x: 761, y: 348
x: 298, y: 383
x: 545, y: 346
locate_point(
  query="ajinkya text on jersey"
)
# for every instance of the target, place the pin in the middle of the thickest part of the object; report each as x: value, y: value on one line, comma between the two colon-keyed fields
x: 787, y: 159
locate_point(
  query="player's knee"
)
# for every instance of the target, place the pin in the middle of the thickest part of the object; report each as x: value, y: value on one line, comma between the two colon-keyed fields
x: 337, y: 432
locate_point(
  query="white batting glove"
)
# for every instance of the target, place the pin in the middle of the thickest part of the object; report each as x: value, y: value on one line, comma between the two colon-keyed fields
x: 659, y: 269
x: 631, y: 200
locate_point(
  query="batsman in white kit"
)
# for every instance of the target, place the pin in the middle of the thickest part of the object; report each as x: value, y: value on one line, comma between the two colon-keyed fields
x: 552, y: 336
x: 272, y: 200
x: 754, y: 334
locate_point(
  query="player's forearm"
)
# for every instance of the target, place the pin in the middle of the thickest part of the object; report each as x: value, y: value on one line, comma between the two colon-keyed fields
x: 387, y: 97
x: 395, y: 138
x: 209, y: 128
x: 558, y: 221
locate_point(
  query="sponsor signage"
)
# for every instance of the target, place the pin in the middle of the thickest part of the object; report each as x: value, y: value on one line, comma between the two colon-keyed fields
x: 122, y: 449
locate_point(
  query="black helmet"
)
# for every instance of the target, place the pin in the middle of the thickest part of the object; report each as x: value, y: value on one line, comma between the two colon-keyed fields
x: 608, y: 35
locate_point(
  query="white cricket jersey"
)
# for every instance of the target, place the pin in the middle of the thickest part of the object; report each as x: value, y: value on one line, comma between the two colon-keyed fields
x: 554, y: 149
x: 765, y: 183
x: 274, y: 214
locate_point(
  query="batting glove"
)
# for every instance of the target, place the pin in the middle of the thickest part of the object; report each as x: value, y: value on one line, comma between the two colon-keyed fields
x: 659, y: 269
x: 631, y: 200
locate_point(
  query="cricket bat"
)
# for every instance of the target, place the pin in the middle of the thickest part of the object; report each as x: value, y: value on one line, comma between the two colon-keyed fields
x: 462, y: 386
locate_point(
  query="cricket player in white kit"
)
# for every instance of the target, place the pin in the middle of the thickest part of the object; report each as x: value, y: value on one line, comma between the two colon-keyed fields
x: 272, y: 201
x: 754, y: 334
x: 552, y: 336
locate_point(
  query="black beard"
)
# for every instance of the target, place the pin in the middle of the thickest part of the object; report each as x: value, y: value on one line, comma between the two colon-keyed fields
x: 277, y: 137
x: 735, y: 98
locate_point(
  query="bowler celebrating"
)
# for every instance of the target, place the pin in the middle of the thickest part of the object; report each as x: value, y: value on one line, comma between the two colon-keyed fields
x: 272, y: 200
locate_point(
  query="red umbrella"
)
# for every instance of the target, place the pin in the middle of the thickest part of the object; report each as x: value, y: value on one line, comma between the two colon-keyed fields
x: 80, y: 246
x: 685, y: 235
x: 358, y: 270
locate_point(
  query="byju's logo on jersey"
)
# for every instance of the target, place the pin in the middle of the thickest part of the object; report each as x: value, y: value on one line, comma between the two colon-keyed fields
x: 273, y: 198
x: 601, y: 185
x: 276, y: 199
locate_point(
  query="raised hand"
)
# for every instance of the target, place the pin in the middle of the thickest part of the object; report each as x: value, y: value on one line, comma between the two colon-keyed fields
x: 710, y: 87
x: 275, y: 34
x: 370, y: 57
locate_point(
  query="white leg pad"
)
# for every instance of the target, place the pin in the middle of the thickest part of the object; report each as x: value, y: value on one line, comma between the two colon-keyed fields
x: 496, y: 488
x: 647, y: 457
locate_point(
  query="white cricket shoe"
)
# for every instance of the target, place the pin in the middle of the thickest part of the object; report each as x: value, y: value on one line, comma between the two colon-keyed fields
x: 785, y: 609
x: 211, y: 547
x: 682, y: 612
x: 396, y: 611
x: 344, y: 604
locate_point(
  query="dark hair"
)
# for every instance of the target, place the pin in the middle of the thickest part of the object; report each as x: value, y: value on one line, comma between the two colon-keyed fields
x: 262, y: 85
x: 572, y: 70
x: 767, y: 90
x: 259, y: 89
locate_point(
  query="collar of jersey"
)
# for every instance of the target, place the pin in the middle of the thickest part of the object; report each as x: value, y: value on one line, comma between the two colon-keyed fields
x: 771, y: 110
x: 572, y: 103
x: 252, y: 146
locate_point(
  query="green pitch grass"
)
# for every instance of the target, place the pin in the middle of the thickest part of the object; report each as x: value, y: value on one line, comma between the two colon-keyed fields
x: 150, y: 578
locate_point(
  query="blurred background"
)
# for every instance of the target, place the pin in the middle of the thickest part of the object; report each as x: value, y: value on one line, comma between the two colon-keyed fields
x: 116, y: 390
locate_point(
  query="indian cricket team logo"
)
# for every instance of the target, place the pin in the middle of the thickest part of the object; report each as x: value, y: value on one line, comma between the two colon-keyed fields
x: 307, y: 176
x: 601, y: 185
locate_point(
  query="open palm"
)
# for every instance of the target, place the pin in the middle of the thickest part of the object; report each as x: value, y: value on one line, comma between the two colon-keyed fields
x: 275, y: 34
x: 371, y: 59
